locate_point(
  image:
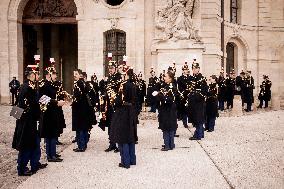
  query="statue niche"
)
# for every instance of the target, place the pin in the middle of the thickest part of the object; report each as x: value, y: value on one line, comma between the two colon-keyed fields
x: 175, y: 21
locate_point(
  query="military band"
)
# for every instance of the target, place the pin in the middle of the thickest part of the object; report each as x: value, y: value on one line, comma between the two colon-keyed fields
x: 118, y: 99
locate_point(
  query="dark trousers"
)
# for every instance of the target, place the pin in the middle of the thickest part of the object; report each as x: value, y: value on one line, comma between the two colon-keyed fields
x: 127, y: 154
x: 210, y: 123
x: 185, y: 119
x: 37, y: 150
x: 24, y: 157
x: 221, y: 105
x: 261, y: 103
x: 169, y: 139
x: 249, y: 104
x: 230, y: 103
x: 82, y: 139
x: 153, y: 107
x: 14, y: 98
x: 112, y: 145
x: 199, y: 131
x: 50, y: 147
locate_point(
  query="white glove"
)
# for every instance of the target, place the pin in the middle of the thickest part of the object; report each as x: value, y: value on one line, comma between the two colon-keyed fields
x: 155, y: 93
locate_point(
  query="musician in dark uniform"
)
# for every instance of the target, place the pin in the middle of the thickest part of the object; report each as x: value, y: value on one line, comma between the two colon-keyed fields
x: 26, y: 134
x: 221, y: 90
x: 49, y: 125
x: 153, y: 85
x: 14, y: 88
x: 196, y: 102
x: 82, y: 112
x: 248, y: 86
x: 182, y: 83
x: 211, y: 105
x: 141, y: 91
x: 239, y: 85
x: 167, y: 111
x: 61, y: 95
x: 112, y: 88
x: 124, y: 121
x: 230, y: 90
x: 265, y: 92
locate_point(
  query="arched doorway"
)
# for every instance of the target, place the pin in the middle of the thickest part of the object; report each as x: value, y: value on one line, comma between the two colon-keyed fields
x: 231, y: 60
x: 115, y: 43
x: 49, y: 28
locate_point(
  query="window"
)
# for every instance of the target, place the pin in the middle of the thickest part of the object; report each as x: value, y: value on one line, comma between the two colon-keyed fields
x: 234, y: 11
x: 114, y: 2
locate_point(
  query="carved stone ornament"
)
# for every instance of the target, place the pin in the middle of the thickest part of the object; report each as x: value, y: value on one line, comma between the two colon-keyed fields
x: 175, y: 20
x: 113, y: 23
x: 50, y: 8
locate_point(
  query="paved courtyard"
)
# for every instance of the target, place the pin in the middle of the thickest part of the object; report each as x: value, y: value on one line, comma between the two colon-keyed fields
x: 245, y: 151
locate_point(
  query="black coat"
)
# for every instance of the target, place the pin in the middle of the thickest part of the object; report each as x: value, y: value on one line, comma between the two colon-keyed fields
x: 230, y: 88
x: 248, y: 86
x: 212, y: 101
x: 196, y: 99
x: 49, y: 124
x: 60, y: 96
x: 14, y: 86
x: 167, y: 108
x: 221, y: 89
x: 25, y: 135
x: 182, y: 83
x: 265, y: 91
x: 82, y: 112
x: 152, y: 86
x: 124, y: 120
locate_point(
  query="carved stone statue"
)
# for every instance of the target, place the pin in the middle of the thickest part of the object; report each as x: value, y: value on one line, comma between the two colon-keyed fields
x: 175, y: 20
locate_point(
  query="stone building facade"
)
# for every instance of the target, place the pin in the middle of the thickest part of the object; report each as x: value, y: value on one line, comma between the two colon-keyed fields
x: 235, y: 34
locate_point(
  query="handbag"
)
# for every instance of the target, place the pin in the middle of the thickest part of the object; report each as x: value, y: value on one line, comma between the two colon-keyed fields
x: 16, y: 112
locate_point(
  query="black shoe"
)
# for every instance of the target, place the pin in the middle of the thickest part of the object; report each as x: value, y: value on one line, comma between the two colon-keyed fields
x: 109, y: 149
x: 176, y: 135
x: 185, y: 126
x: 26, y: 173
x: 123, y: 166
x: 193, y: 138
x: 55, y: 159
x: 42, y: 165
x: 136, y: 142
x: 74, y: 141
x: 116, y: 150
x: 165, y: 149
x: 59, y: 143
x: 79, y: 150
x: 163, y: 146
x: 210, y: 131
x: 57, y: 155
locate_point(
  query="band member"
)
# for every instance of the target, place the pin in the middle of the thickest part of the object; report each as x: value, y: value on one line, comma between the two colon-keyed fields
x: 196, y: 102
x: 167, y: 111
x: 182, y: 83
x: 211, y: 105
x: 152, y: 86
x: 124, y: 121
x: 230, y: 89
x: 14, y: 88
x: 49, y: 125
x: 221, y: 90
x: 61, y: 95
x: 82, y: 112
x: 26, y: 135
x: 239, y: 86
x: 265, y: 92
x: 141, y: 91
x: 112, y: 88
x: 248, y: 86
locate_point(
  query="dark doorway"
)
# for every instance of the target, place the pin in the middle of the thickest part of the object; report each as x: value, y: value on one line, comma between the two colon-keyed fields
x: 115, y: 43
x: 59, y: 41
x: 230, y: 62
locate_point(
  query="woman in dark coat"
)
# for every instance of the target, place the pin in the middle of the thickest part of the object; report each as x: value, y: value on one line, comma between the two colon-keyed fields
x: 211, y: 105
x: 124, y: 121
x: 167, y: 111
x: 25, y: 135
